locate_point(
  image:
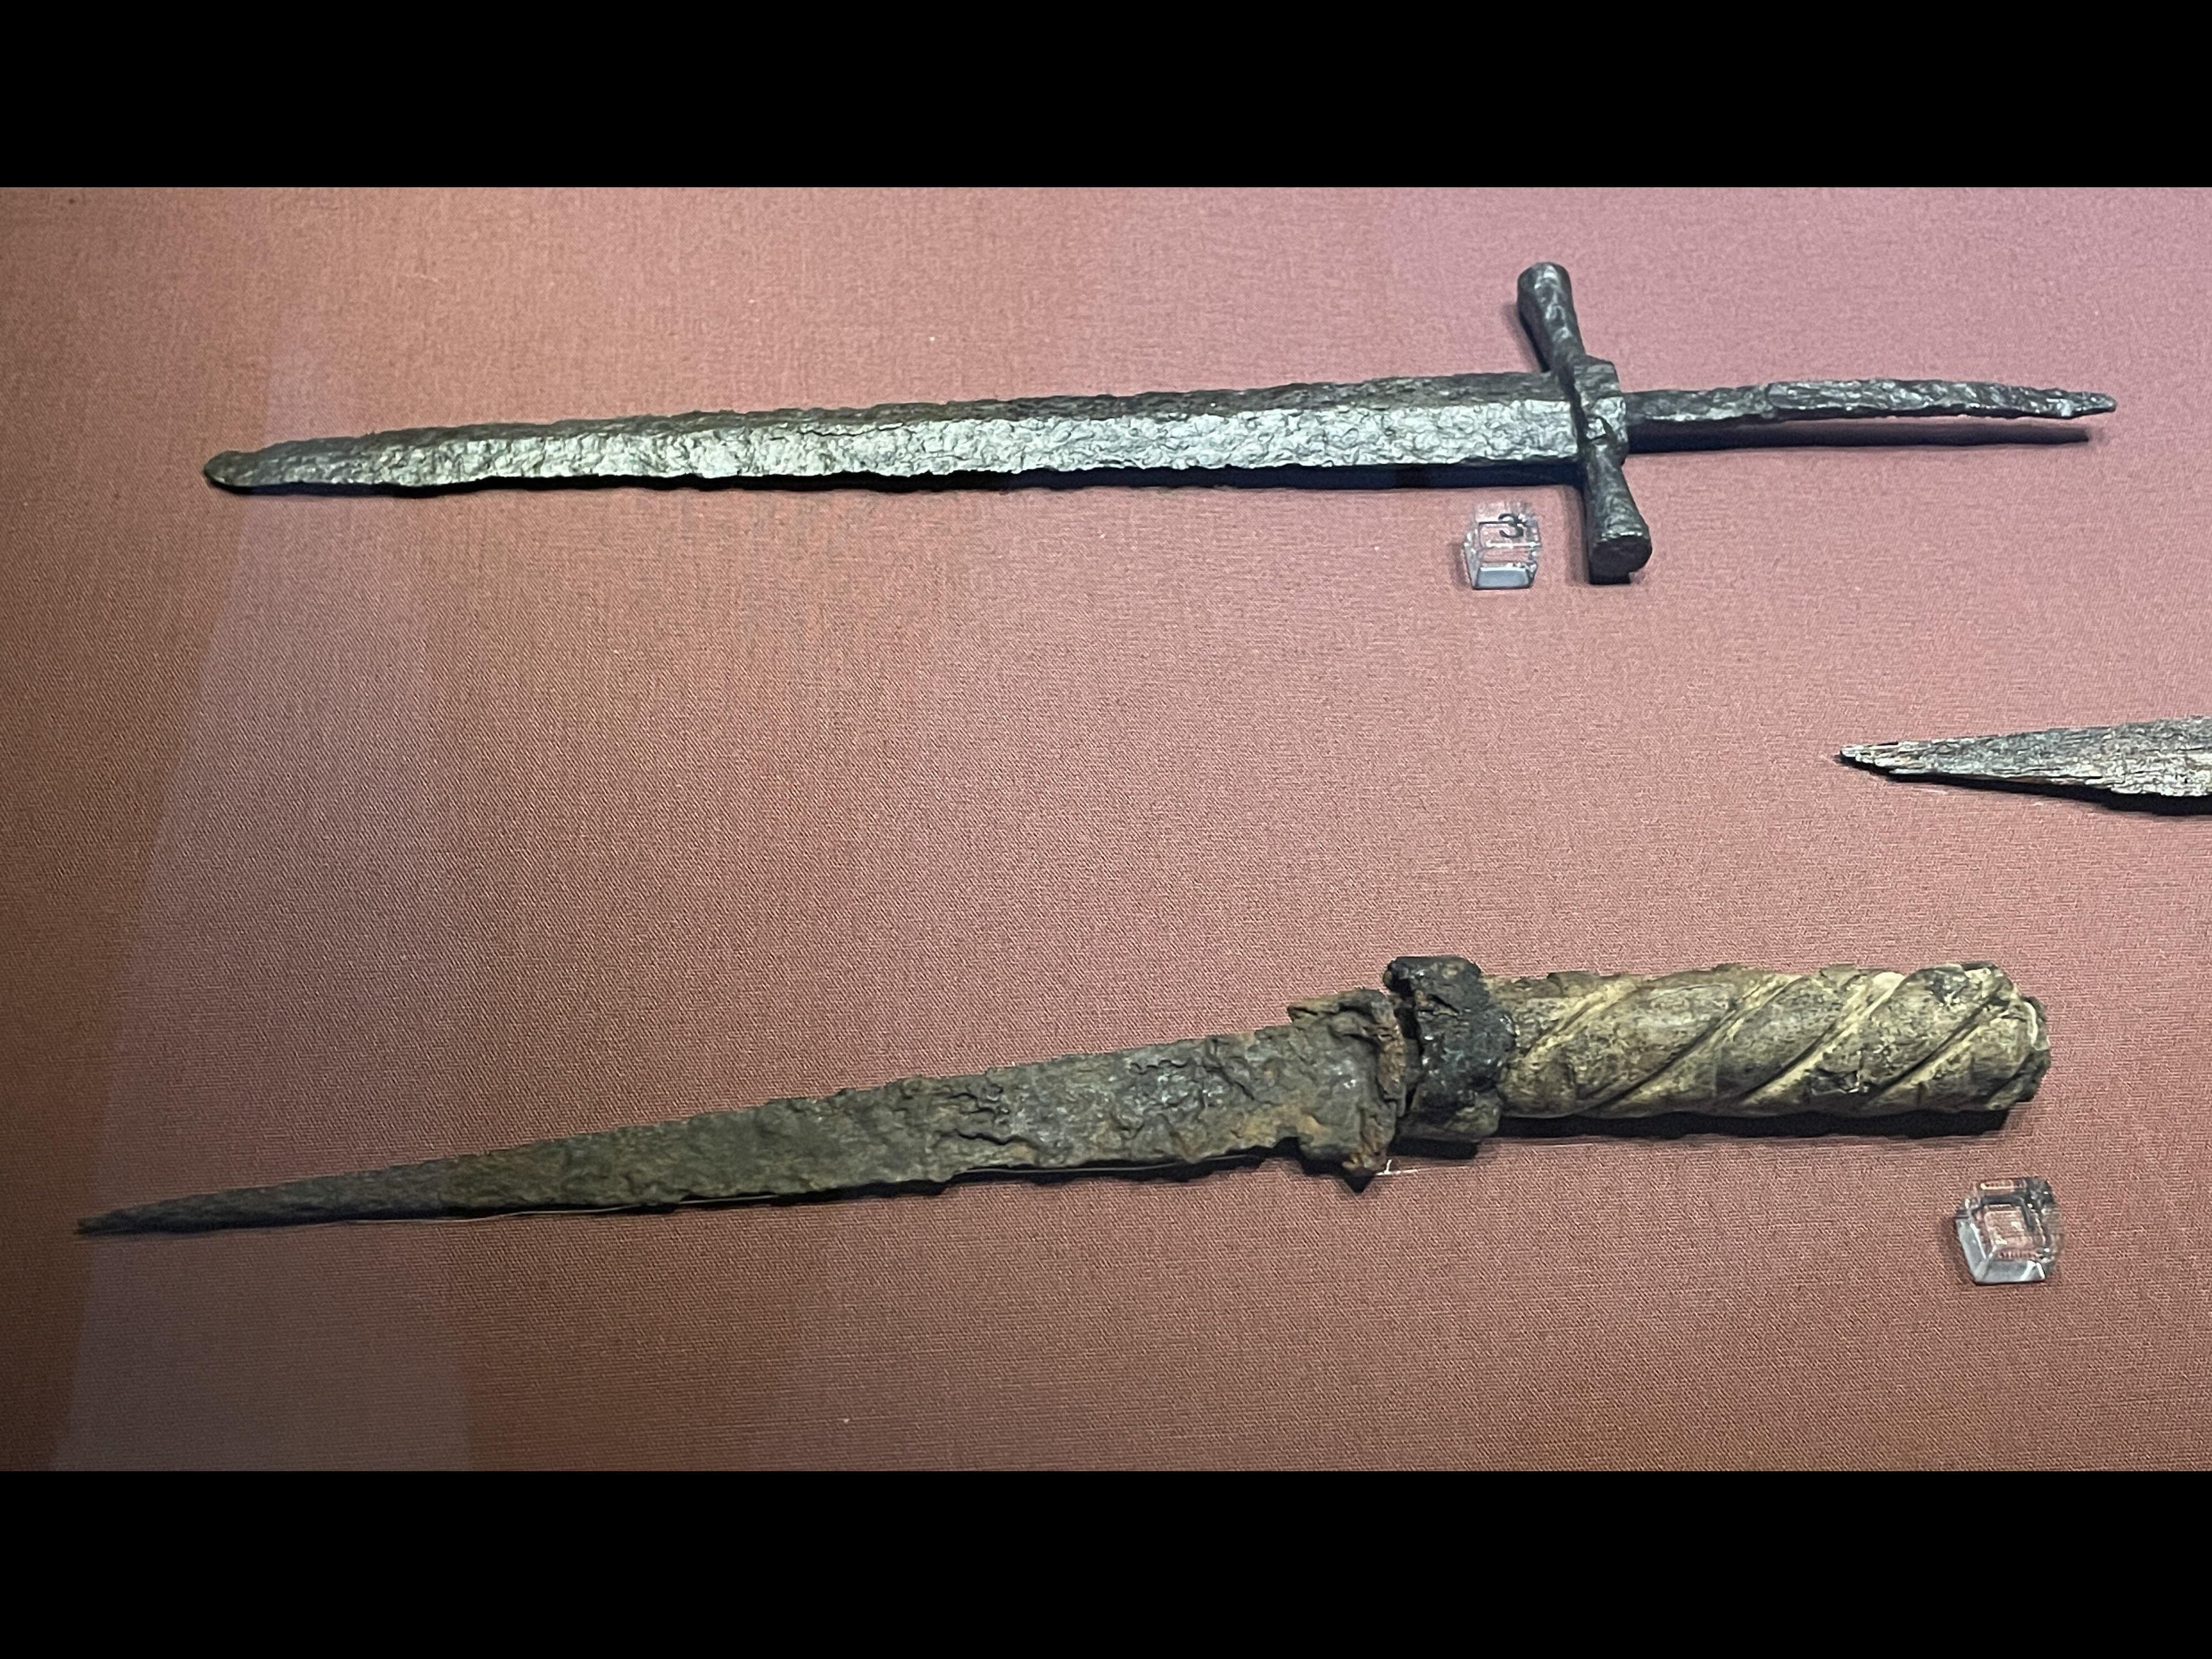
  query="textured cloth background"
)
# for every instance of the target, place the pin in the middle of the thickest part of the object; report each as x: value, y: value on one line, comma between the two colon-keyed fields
x: 342, y: 831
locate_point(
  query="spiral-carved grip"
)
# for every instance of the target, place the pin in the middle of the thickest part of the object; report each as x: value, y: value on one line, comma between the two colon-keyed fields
x: 1743, y: 1042
x: 1616, y: 541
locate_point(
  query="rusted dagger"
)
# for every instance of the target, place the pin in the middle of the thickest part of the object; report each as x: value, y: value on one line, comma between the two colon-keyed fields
x: 1573, y: 421
x: 1436, y: 1062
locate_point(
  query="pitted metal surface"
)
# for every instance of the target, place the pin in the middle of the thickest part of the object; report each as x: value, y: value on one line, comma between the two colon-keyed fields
x: 1435, y: 421
x: 2146, y: 758
x: 1439, y: 1060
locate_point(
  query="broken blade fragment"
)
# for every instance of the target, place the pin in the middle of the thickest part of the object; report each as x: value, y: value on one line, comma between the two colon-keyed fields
x: 2147, y: 757
x: 1439, y: 1060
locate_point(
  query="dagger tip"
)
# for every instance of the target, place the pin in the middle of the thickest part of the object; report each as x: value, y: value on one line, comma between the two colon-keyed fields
x: 203, y: 1213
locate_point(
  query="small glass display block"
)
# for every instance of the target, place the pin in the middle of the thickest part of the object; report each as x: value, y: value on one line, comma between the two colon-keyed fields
x: 2009, y: 1231
x: 1503, y: 546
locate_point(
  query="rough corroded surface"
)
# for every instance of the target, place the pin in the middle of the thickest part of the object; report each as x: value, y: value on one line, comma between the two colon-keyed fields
x: 1575, y: 417
x: 1652, y: 412
x: 1440, y: 1061
x: 1462, y: 1039
x: 1442, y: 420
x: 1331, y: 1081
x: 1510, y: 420
x: 1744, y: 1042
x: 2150, y: 758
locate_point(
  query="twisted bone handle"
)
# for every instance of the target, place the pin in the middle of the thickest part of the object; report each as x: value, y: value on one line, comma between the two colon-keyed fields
x: 1744, y: 1042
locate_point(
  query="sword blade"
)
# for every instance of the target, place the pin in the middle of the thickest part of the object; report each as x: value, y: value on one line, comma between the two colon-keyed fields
x: 2147, y: 757
x: 1331, y: 1081
x: 1433, y: 420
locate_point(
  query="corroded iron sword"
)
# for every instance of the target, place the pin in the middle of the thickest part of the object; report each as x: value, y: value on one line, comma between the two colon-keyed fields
x: 2168, y: 758
x: 1434, y: 1063
x: 1574, y: 420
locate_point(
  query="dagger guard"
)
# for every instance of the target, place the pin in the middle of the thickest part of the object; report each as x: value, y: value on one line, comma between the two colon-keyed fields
x: 1616, y: 542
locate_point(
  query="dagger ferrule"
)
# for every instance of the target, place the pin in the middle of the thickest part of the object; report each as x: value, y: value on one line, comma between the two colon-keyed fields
x: 1460, y: 1040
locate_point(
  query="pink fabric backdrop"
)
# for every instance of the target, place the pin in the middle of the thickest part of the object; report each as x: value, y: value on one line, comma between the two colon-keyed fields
x: 344, y: 831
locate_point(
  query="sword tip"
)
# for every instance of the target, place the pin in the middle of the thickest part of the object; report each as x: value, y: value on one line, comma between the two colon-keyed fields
x: 232, y: 469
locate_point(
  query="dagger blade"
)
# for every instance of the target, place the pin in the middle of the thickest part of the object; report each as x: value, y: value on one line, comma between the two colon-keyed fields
x: 2146, y: 758
x: 1330, y: 1081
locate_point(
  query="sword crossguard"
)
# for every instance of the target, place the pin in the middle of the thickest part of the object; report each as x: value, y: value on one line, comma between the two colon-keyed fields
x: 1616, y: 542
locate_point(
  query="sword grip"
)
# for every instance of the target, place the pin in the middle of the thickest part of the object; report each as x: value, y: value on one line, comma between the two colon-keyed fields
x: 1616, y: 542
x: 1739, y: 1042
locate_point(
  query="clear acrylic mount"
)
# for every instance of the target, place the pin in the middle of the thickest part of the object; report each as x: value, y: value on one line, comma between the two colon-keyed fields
x: 2009, y: 1231
x: 1502, y: 546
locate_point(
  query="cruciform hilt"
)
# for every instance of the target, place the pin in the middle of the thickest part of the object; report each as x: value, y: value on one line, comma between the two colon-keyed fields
x: 1610, y: 422
x: 1615, y: 539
